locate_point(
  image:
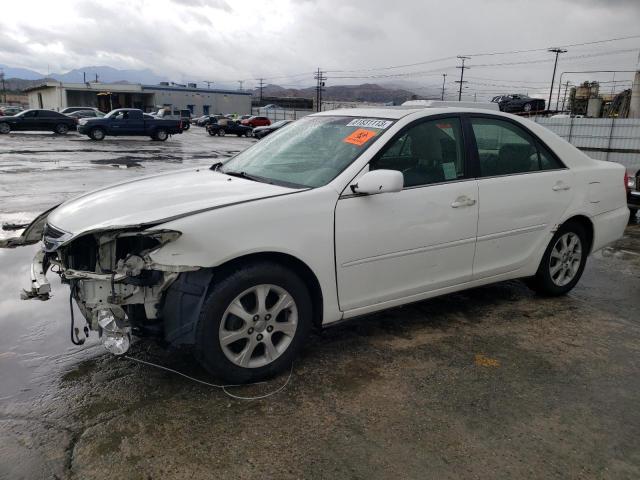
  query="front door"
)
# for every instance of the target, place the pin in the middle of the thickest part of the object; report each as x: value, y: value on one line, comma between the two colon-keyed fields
x: 524, y: 189
x: 394, y: 246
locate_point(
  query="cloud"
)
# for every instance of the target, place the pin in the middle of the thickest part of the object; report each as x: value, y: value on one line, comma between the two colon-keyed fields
x: 191, y: 40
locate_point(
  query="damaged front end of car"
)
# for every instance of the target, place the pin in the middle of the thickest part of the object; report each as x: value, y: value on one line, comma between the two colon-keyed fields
x: 111, y: 276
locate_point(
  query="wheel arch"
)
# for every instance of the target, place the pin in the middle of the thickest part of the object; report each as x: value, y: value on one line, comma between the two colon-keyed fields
x: 184, y: 299
x: 587, y: 224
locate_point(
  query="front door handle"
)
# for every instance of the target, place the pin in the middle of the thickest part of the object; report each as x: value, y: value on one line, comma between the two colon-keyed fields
x: 463, y: 201
x: 560, y: 186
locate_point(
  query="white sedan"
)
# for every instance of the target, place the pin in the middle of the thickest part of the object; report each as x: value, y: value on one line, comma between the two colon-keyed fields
x: 341, y: 214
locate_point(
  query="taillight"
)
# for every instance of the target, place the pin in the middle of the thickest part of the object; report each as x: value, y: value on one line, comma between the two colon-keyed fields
x: 627, y: 186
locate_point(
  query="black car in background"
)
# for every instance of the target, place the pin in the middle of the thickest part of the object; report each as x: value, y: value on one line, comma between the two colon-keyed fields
x: 633, y: 192
x: 515, y: 103
x: 261, y: 132
x: 232, y: 128
x: 68, y: 110
x: 37, y: 120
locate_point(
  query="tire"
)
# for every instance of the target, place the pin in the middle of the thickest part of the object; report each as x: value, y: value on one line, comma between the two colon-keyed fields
x: 61, y: 129
x: 97, y: 134
x: 5, y: 128
x: 632, y: 214
x: 186, y: 126
x: 211, y: 132
x: 161, y: 135
x: 526, y: 107
x: 238, y: 292
x: 221, y: 132
x: 247, y: 133
x: 551, y: 279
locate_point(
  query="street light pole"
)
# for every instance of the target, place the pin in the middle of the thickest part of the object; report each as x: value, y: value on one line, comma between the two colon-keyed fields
x: 557, y: 51
x: 444, y: 79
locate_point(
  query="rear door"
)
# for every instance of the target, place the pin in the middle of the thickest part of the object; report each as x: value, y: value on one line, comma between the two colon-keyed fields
x: 524, y: 189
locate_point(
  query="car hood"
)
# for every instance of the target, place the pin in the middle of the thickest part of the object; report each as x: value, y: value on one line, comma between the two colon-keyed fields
x: 157, y: 199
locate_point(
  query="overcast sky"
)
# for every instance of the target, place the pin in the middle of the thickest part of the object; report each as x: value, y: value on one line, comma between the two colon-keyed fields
x: 284, y: 41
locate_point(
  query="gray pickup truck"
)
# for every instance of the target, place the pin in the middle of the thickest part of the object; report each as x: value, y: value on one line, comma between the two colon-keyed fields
x: 129, y: 122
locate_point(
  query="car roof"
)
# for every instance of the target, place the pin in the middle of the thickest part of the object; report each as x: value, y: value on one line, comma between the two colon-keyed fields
x: 396, y: 113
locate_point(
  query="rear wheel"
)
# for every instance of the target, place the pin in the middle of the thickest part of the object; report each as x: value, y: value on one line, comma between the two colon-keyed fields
x: 221, y: 132
x: 161, y: 135
x: 5, y: 128
x: 632, y: 213
x: 97, y: 134
x: 253, y: 323
x: 186, y: 126
x: 563, y: 261
x: 61, y: 129
x: 211, y: 132
x: 527, y: 107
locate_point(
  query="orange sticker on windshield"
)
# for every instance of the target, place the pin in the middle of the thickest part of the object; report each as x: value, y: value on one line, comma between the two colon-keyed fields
x: 360, y: 136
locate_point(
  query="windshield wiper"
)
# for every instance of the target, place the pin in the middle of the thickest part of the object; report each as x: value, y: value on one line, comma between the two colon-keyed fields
x: 246, y: 175
x: 216, y: 166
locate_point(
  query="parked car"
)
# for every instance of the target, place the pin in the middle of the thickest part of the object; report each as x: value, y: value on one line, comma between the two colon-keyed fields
x: 341, y: 214
x: 208, y: 119
x: 130, y: 122
x: 10, y: 110
x: 85, y: 114
x: 76, y: 109
x: 37, y: 120
x: 633, y: 192
x: 261, y: 132
x: 518, y: 103
x: 231, y: 128
x: 184, y: 115
x: 255, y: 121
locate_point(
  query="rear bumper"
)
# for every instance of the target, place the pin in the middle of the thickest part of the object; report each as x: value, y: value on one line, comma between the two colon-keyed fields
x: 609, y: 227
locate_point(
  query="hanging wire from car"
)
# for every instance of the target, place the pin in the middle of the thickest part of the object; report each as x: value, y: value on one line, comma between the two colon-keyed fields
x: 222, y: 387
x: 75, y: 332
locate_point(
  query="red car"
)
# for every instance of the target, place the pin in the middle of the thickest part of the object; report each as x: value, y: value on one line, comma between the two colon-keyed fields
x: 256, y: 122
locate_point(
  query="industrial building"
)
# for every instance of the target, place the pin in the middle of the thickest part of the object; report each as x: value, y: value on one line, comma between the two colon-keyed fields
x: 107, y: 96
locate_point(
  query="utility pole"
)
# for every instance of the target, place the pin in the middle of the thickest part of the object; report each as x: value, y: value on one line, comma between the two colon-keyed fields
x: 208, y: 82
x: 566, y: 87
x: 557, y: 51
x: 240, y: 82
x: 4, y: 90
x: 444, y: 79
x: 461, y: 81
x: 320, y: 82
x: 96, y: 78
x: 261, y: 87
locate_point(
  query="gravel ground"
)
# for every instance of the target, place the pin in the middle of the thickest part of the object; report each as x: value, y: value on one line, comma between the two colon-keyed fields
x: 490, y: 383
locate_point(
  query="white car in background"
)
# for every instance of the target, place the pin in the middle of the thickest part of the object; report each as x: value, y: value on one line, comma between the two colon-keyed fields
x: 343, y: 213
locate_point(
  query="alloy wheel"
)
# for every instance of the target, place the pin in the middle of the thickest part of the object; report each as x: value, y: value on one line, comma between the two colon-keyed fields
x: 258, y: 326
x: 565, y: 259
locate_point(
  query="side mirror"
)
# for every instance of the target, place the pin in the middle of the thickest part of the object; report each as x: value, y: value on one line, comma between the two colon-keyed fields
x: 379, y: 181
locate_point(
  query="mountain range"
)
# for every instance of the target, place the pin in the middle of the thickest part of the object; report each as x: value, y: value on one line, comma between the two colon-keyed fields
x: 17, y: 79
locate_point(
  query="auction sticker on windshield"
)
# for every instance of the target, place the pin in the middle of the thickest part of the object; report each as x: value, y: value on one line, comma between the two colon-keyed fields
x: 370, y: 123
x: 360, y: 136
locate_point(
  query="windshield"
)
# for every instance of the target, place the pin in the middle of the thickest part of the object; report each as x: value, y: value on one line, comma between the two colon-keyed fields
x: 310, y: 152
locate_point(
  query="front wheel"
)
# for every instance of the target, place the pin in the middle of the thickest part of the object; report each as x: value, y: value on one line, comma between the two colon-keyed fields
x: 5, y: 128
x: 97, y: 134
x: 61, y: 129
x: 253, y: 323
x: 221, y: 132
x: 563, y: 261
x: 210, y: 132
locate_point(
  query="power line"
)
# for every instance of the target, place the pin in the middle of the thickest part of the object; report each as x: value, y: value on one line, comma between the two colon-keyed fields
x: 485, y: 54
x: 544, y: 60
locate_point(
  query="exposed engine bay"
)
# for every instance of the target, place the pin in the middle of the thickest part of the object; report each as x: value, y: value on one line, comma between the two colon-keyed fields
x: 116, y: 285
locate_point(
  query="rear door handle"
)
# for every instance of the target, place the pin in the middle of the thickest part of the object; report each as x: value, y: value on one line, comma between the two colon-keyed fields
x: 560, y: 186
x: 463, y: 201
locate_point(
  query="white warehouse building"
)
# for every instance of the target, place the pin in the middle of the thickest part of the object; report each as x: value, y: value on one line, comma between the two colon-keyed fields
x: 54, y: 95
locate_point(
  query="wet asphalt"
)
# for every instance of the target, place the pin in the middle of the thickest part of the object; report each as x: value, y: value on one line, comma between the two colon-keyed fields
x: 490, y: 383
